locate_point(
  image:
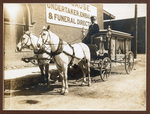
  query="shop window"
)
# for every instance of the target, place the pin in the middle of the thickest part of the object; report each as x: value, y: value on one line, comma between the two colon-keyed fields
x: 20, y: 16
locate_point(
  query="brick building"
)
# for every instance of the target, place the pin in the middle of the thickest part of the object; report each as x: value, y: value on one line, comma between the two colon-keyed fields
x: 22, y: 17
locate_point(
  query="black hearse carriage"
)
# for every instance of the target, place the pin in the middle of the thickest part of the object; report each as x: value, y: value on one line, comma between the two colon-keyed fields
x: 111, y: 46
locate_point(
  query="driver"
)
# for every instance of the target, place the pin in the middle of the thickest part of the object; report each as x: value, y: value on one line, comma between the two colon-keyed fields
x: 93, y: 29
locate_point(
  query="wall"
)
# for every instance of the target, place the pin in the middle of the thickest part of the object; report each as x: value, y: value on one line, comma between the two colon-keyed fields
x: 99, y: 15
x: 13, y: 32
x: 64, y: 32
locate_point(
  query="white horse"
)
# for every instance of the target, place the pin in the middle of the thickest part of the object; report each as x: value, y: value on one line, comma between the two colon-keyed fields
x: 30, y: 40
x: 65, y: 55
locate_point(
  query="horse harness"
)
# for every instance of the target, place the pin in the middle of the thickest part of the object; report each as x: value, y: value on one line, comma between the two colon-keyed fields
x: 60, y: 50
x: 28, y: 34
x: 36, y: 52
x: 25, y: 44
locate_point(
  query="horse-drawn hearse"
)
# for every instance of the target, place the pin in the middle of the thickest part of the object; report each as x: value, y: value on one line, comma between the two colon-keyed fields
x: 110, y: 46
x: 107, y: 46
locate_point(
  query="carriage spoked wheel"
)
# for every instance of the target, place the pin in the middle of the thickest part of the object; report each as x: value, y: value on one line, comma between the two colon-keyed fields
x: 105, y: 70
x: 129, y: 62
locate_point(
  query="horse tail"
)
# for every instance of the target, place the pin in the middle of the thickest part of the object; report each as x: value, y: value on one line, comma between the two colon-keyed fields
x: 86, y: 51
x: 87, y: 56
x: 87, y: 62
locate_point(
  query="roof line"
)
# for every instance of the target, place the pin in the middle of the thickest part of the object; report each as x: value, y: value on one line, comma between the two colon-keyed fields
x: 109, y: 14
x: 121, y: 19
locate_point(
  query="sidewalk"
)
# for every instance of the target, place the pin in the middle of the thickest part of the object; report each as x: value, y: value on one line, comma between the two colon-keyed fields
x: 14, y: 79
x: 18, y: 73
x: 17, y: 78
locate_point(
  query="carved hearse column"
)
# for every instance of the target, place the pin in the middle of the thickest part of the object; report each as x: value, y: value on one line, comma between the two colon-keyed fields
x: 109, y: 35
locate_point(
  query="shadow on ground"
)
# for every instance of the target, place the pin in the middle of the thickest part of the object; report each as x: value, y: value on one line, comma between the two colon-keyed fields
x: 74, y: 79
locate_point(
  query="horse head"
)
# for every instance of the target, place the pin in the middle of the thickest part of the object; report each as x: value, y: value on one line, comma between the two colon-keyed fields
x: 49, y: 38
x: 43, y: 38
x: 24, y: 41
x: 45, y: 34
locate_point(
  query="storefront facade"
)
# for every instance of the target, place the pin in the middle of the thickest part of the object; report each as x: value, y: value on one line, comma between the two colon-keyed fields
x: 65, y: 20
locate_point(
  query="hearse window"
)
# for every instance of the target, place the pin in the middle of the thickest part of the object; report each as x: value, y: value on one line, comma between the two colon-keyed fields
x: 120, y: 48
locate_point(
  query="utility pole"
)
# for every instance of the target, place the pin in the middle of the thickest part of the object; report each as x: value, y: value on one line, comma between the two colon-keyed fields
x: 135, y: 32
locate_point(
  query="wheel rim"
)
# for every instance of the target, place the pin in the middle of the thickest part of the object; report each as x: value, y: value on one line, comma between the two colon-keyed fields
x: 105, y: 70
x: 129, y: 62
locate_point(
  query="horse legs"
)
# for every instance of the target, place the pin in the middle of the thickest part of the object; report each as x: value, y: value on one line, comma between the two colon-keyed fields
x: 64, y: 76
x: 63, y: 83
x: 66, y: 80
x: 46, y: 73
x: 81, y: 65
x: 42, y: 73
x: 85, y: 67
x: 88, y: 72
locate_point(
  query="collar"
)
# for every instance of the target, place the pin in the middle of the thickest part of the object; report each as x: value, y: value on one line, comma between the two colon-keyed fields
x: 59, y: 49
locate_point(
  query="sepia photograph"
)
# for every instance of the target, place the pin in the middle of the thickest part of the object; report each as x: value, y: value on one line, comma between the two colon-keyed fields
x: 74, y: 56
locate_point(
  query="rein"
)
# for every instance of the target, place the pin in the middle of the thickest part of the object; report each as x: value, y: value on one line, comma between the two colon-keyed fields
x: 25, y: 44
x: 59, y: 50
x: 44, y: 42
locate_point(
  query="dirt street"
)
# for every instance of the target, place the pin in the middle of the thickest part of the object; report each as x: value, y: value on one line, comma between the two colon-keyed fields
x: 120, y: 92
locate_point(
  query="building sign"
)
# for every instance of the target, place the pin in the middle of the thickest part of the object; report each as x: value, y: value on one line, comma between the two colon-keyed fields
x: 74, y: 15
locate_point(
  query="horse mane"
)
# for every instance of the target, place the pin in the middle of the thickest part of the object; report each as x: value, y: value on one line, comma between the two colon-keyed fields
x: 33, y: 35
x: 51, y: 33
x: 57, y: 37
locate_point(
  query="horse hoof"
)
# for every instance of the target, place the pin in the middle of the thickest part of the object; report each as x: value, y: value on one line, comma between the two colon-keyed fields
x: 89, y: 84
x: 59, y: 91
x: 62, y: 92
x: 65, y: 93
x: 82, y: 84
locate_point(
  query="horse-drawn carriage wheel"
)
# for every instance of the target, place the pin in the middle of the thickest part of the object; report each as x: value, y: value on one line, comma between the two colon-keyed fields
x: 105, y: 70
x: 129, y: 62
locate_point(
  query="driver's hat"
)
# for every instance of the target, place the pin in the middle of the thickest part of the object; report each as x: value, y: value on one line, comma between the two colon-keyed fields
x: 93, y: 17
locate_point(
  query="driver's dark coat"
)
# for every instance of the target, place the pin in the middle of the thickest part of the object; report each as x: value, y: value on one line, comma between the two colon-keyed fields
x: 93, y: 29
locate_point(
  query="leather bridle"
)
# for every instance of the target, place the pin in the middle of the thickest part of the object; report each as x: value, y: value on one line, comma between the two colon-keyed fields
x: 24, y: 45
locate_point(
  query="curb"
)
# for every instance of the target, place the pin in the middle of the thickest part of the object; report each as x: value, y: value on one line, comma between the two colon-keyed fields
x: 33, y: 77
x: 21, y: 82
x: 15, y: 79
